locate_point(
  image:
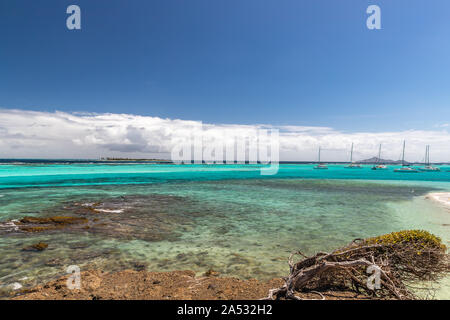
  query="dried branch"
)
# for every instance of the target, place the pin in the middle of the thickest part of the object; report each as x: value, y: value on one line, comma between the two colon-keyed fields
x: 400, y: 257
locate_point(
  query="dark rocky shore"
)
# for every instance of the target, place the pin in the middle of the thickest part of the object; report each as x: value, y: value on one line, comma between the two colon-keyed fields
x: 176, y: 285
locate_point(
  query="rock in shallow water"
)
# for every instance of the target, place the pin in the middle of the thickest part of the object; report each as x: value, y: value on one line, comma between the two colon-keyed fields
x: 212, y: 273
x: 36, y: 247
x: 38, y: 224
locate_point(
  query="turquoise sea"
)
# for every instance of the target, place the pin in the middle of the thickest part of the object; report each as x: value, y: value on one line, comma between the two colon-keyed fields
x: 229, y: 218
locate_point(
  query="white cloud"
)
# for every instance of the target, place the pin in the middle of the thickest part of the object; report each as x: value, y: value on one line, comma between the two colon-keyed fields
x: 31, y: 134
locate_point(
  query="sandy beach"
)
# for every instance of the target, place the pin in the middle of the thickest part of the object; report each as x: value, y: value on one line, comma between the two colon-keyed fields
x: 442, y: 198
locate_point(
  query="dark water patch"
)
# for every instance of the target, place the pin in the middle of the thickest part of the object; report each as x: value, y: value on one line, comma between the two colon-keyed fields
x: 150, y: 217
x: 390, y: 191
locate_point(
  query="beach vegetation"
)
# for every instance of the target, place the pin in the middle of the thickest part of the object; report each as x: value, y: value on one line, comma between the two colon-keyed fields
x: 400, y: 260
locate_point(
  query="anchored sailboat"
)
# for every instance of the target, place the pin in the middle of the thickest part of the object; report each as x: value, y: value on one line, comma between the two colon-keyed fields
x: 427, y: 166
x: 320, y: 165
x: 378, y: 165
x: 353, y: 165
x: 404, y: 168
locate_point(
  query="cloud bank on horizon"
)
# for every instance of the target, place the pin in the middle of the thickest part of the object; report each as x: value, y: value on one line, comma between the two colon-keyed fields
x: 35, y: 134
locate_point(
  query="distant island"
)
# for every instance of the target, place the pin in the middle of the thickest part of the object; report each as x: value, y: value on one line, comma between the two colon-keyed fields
x: 131, y: 159
x: 385, y: 161
x: 374, y: 160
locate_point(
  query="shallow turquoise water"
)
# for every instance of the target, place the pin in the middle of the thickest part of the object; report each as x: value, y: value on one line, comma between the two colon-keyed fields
x: 17, y: 176
x: 225, y: 217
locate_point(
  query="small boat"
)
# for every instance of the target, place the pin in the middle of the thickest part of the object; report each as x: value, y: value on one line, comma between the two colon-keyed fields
x: 428, y: 167
x: 352, y: 164
x: 378, y: 165
x: 405, y: 168
x: 321, y: 166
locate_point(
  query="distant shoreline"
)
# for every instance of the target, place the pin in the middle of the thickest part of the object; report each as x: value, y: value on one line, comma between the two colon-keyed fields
x: 134, y: 159
x: 168, y: 161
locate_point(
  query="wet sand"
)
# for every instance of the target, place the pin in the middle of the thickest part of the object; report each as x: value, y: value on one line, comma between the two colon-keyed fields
x: 442, y: 198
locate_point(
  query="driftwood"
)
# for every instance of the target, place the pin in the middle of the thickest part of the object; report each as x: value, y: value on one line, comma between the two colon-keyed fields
x: 398, y: 260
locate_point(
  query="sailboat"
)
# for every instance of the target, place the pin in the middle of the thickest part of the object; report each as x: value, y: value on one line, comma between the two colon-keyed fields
x: 320, y: 165
x: 427, y: 166
x: 378, y: 165
x: 353, y: 165
x: 404, y: 167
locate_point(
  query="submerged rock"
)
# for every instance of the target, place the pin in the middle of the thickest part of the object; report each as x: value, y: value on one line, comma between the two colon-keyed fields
x: 54, y: 262
x: 36, y: 247
x: 138, y: 266
x: 40, y: 224
x: 53, y: 220
x: 212, y: 273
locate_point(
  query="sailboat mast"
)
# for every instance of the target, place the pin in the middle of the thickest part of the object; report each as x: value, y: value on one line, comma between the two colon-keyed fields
x: 351, y: 154
x: 403, y: 153
x: 319, y: 155
x: 379, y: 154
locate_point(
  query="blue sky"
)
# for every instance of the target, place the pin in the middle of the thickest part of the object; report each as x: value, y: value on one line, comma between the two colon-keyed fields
x: 283, y: 62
